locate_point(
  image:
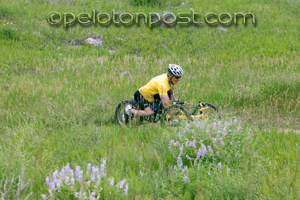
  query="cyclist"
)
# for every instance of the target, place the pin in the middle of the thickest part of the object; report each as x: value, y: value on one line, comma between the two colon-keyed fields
x: 156, y: 93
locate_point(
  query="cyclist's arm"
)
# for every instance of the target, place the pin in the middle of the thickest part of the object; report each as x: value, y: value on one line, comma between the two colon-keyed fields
x: 165, y: 100
x: 172, y: 95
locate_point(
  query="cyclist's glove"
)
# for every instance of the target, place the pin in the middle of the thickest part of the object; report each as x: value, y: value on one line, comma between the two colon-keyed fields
x: 180, y: 102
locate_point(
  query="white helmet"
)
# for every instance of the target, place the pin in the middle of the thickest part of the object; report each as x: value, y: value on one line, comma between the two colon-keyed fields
x: 175, y: 70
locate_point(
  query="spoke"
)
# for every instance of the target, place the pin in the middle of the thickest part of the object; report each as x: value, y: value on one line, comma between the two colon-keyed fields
x: 175, y: 117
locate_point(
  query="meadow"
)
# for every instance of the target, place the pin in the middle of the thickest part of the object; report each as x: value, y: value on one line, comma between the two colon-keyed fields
x: 59, y: 93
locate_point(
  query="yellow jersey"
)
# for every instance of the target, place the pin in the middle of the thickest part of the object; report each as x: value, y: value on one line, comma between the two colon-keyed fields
x: 157, y: 85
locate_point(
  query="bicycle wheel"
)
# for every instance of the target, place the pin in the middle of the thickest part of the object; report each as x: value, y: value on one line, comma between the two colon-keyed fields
x: 120, y: 116
x: 175, y: 116
x: 210, y: 112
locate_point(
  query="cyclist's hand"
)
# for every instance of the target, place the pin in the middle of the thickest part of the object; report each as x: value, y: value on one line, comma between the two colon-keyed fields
x: 180, y: 102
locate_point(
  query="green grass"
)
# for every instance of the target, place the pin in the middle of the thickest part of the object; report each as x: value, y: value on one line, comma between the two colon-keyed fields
x: 58, y: 97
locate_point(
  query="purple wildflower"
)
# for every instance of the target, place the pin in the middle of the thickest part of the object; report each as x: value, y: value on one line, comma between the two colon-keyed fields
x: 224, y: 131
x: 92, y: 196
x: 112, y: 182
x: 72, y: 172
x: 170, y: 149
x: 79, y: 178
x: 187, y: 144
x: 76, y: 195
x: 98, y: 181
x: 121, y: 183
x: 171, y: 142
x: 203, y: 151
x: 219, y: 123
x: 228, y: 171
x: 67, y: 168
x: 187, y: 157
x: 185, y: 179
x: 58, y: 185
x: 181, y: 150
x: 214, y: 141
x: 102, y: 168
x: 47, y: 180
x: 95, y: 170
x: 219, y: 165
x: 62, y: 173
x: 52, y: 186
x: 55, y: 175
x: 178, y: 159
x: 88, y: 167
x: 209, y: 148
x: 72, y: 181
x: 198, y: 155
x: 104, y: 162
x: 218, y: 133
x: 234, y: 122
x: 67, y: 180
x: 44, y: 196
x: 238, y: 143
x: 126, y: 189
x: 50, y: 192
x: 93, y: 178
x: 77, y: 170
x: 180, y: 166
x: 207, y: 131
x: 214, y: 126
x: 192, y: 144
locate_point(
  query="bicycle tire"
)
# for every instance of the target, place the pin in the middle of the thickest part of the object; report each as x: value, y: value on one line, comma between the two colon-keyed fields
x: 119, y: 114
x: 177, y: 119
x: 212, y: 113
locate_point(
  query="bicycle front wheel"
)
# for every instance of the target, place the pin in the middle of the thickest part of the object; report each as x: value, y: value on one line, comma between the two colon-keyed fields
x: 210, y: 112
x: 175, y: 116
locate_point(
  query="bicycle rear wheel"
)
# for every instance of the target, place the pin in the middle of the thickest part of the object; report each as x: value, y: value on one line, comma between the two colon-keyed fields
x: 120, y: 115
x: 175, y: 116
x: 210, y: 112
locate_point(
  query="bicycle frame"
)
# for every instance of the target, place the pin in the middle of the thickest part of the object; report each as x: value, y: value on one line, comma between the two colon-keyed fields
x: 200, y: 107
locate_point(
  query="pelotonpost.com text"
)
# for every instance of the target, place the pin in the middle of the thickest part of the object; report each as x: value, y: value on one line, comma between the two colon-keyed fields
x: 152, y: 19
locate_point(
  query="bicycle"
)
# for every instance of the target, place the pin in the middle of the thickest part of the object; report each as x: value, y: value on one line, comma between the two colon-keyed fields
x: 175, y: 115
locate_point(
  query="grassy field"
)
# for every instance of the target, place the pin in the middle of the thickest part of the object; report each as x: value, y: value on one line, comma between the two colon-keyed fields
x: 59, y: 93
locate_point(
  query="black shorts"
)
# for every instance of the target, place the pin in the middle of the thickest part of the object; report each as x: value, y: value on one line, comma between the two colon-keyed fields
x: 140, y: 102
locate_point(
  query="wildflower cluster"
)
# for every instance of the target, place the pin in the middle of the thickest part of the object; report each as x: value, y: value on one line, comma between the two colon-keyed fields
x: 80, y: 184
x: 208, y: 147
